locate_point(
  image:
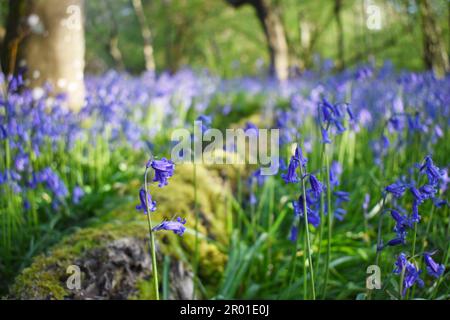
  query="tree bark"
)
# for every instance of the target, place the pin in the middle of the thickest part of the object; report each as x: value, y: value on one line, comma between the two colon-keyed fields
x: 274, y: 33
x: 46, y: 38
x: 146, y: 35
x: 113, y: 42
x: 435, y: 55
x: 340, y: 34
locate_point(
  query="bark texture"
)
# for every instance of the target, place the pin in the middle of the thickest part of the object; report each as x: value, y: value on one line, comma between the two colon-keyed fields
x: 275, y: 35
x: 434, y: 53
x: 46, y: 38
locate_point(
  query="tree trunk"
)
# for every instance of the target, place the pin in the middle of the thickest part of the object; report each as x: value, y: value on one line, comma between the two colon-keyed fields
x: 46, y: 38
x: 146, y: 35
x: 275, y: 35
x: 113, y: 43
x: 435, y: 55
x: 340, y: 34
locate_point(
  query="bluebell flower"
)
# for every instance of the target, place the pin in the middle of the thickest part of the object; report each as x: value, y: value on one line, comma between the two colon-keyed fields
x: 3, y: 133
x: 316, y: 185
x: 397, y: 189
x: 260, y: 179
x: 339, y: 126
x: 176, y: 226
x: 291, y: 175
x: 313, y: 215
x: 411, y: 273
x: 296, y: 160
x: 325, y: 137
x: 434, y: 173
x: 294, y: 233
x: 327, y: 110
x: 142, y: 206
x: 427, y: 191
x: 53, y: 182
x: 366, y: 202
x: 339, y: 213
x: 396, y: 241
x: 401, y: 222
x: 412, y: 276
x: 251, y: 128
x: 77, y: 194
x: 415, y: 217
x: 400, y: 264
x: 252, y: 198
x: 416, y: 194
x: 163, y: 170
x: 335, y: 173
x: 298, y: 155
x: 434, y: 269
x: 206, y: 121
x: 342, y: 195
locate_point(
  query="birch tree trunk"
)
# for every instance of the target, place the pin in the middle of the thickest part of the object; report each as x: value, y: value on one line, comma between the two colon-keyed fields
x: 46, y: 38
x: 435, y: 55
x: 146, y: 35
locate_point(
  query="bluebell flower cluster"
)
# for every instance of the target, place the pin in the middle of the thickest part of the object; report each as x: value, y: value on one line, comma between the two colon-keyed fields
x: 163, y: 169
x: 332, y: 116
x: 428, y: 190
x: 411, y: 274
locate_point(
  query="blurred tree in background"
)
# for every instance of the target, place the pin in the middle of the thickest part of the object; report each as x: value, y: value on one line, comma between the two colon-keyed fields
x: 242, y: 37
x: 45, y: 38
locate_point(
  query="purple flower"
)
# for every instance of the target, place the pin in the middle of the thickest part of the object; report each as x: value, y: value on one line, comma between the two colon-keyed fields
x: 416, y: 194
x: 402, y: 221
x: 260, y: 179
x: 427, y: 191
x: 77, y: 194
x: 291, y: 175
x: 366, y: 202
x: 142, y: 206
x: 400, y: 264
x: 342, y: 196
x: 53, y: 182
x: 396, y: 241
x: 176, y: 226
x: 163, y: 170
x: 296, y: 160
x: 411, y: 273
x: 327, y: 110
x: 434, y: 269
x: 434, y: 173
x: 335, y: 173
x: 3, y: 133
x: 415, y: 217
x: 397, y: 189
x: 294, y: 234
x: 316, y: 185
x: 251, y: 128
x: 325, y: 137
x: 313, y: 215
x: 205, y: 121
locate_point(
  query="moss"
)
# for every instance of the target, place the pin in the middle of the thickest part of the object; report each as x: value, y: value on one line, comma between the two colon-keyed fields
x: 45, y: 278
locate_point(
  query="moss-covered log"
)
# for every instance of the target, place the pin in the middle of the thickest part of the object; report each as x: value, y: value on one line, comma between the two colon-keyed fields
x: 113, y: 255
